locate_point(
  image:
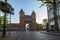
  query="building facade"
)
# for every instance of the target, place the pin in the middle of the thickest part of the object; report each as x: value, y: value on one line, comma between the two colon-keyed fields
x: 51, y: 15
x: 23, y: 20
x: 27, y: 19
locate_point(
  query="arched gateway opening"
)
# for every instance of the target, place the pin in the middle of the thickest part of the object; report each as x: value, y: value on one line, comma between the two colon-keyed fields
x: 27, y: 27
x: 29, y: 20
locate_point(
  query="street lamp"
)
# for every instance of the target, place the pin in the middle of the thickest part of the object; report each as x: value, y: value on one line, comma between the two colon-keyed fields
x: 4, y: 25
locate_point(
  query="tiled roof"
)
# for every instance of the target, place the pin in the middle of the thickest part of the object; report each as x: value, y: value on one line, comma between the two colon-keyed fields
x: 27, y: 16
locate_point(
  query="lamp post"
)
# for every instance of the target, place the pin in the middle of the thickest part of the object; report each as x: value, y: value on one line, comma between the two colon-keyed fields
x: 4, y: 25
x: 10, y: 24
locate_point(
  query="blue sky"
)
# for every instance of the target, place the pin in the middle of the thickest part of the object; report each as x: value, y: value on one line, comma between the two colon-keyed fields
x: 28, y: 6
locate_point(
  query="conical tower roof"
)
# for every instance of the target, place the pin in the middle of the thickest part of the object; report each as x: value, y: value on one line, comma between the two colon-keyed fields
x: 21, y: 11
x: 33, y: 12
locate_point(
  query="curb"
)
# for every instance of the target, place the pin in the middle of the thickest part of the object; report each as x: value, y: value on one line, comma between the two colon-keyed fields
x: 50, y: 33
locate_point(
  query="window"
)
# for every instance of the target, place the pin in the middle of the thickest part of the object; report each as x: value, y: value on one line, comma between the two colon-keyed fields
x: 58, y: 11
x: 51, y: 15
x: 59, y: 23
x: 52, y: 22
x: 1, y: 0
x: 57, y: 0
x: 51, y: 7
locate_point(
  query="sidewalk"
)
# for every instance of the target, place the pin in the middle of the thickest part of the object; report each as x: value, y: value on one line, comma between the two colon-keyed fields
x: 12, y: 36
x: 51, y: 33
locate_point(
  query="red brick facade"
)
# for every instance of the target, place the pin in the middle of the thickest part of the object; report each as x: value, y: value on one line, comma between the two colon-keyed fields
x: 24, y: 19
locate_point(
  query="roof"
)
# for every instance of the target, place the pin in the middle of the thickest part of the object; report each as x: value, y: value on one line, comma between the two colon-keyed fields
x: 27, y: 16
x: 21, y: 10
x: 33, y: 12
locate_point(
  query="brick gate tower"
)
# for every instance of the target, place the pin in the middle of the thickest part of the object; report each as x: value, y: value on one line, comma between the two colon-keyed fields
x: 30, y: 19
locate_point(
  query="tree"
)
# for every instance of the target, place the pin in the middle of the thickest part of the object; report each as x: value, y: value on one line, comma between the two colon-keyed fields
x: 45, y: 22
x: 2, y: 19
x: 6, y: 8
x: 52, y: 2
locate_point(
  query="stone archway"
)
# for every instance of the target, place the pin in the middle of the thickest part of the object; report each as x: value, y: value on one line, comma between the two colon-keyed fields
x: 30, y: 19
